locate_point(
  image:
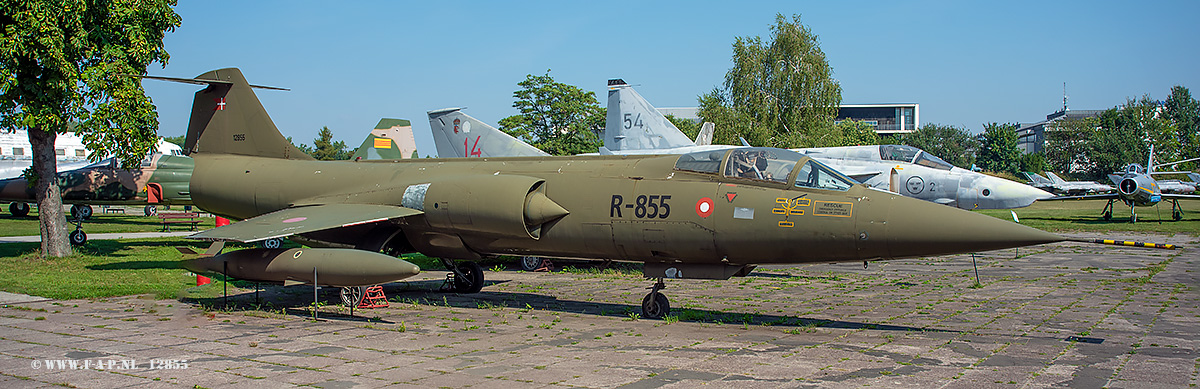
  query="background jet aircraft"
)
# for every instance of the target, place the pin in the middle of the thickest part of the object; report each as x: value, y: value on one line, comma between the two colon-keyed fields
x: 1136, y: 188
x: 456, y: 134
x: 391, y: 139
x: 1076, y: 187
x: 633, y: 125
x: 162, y: 179
x: 699, y: 215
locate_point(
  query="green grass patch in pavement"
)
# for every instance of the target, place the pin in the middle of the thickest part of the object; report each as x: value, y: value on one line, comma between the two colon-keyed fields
x: 1084, y: 215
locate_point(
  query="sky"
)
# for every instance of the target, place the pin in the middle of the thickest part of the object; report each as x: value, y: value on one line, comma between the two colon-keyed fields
x: 966, y: 63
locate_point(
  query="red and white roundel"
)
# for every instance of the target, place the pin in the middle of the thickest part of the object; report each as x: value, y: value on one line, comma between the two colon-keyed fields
x: 704, y: 207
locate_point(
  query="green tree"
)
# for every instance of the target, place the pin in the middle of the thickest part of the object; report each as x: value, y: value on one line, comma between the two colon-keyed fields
x: 779, y: 93
x: 1184, y: 112
x: 326, y: 149
x: 856, y: 133
x: 951, y: 144
x: 67, y: 61
x: 998, y: 148
x: 688, y: 127
x: 177, y: 140
x: 1066, y: 145
x: 558, y: 118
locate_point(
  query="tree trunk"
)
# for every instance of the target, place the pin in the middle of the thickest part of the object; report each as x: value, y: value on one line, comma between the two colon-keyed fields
x: 49, y: 199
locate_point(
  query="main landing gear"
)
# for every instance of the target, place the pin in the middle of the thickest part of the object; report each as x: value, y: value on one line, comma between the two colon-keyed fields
x: 18, y: 209
x: 1107, y: 212
x: 81, y: 211
x: 1176, y: 210
x: 655, y: 305
x: 464, y: 278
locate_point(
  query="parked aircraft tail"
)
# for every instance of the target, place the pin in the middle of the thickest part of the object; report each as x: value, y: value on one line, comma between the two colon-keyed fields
x: 227, y: 118
x: 705, y: 137
x: 391, y: 139
x: 1036, y: 179
x: 457, y: 134
x: 1054, y: 178
x: 634, y: 124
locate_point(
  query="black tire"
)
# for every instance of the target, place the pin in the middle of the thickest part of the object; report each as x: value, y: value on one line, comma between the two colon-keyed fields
x: 19, y: 209
x: 531, y: 263
x: 1133, y: 218
x: 1177, y: 216
x: 352, y: 295
x: 655, y: 306
x: 1108, y: 216
x: 469, y: 278
x: 151, y: 210
x: 77, y: 237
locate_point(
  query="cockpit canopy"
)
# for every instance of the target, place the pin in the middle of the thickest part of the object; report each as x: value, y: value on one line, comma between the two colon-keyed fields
x: 911, y: 154
x: 767, y: 165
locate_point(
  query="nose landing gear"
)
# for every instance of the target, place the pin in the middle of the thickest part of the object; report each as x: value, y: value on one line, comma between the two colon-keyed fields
x: 655, y: 305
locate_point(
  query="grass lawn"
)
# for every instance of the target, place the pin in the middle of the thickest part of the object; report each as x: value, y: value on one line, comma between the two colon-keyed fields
x: 1084, y: 216
x: 132, y: 221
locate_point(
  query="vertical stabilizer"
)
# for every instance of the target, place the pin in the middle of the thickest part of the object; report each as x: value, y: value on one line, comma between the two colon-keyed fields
x: 1055, y: 179
x: 705, y: 137
x: 634, y: 124
x: 227, y: 118
x: 457, y: 134
x: 391, y: 139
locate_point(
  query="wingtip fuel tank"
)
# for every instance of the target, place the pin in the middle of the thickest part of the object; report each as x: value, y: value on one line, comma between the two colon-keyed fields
x: 333, y: 267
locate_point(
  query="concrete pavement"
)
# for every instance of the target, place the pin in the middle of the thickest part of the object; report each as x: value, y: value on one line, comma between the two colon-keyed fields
x: 1065, y: 314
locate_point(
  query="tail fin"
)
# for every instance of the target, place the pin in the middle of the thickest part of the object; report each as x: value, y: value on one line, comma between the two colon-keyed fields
x: 634, y: 124
x: 457, y: 134
x: 705, y: 137
x: 227, y: 118
x: 391, y: 139
x: 1036, y: 178
x: 1054, y: 178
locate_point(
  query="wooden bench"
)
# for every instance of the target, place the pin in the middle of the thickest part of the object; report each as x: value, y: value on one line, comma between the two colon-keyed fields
x: 189, y: 218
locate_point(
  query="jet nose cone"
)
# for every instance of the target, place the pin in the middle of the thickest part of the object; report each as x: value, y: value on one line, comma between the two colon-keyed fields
x: 918, y: 228
x: 989, y: 192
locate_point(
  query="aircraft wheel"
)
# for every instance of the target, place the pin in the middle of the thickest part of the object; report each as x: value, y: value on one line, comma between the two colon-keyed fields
x: 81, y: 211
x: 77, y: 237
x: 531, y: 263
x: 1177, y: 215
x: 151, y: 210
x: 468, y: 278
x: 352, y: 295
x: 19, y: 209
x: 655, y: 306
x: 1108, y: 216
x: 272, y: 243
x: 1133, y: 218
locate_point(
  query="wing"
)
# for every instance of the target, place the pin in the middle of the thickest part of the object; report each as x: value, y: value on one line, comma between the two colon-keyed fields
x: 299, y: 220
x: 1180, y: 196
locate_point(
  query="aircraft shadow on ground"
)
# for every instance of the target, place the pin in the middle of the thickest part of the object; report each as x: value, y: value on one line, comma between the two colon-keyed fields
x: 297, y: 300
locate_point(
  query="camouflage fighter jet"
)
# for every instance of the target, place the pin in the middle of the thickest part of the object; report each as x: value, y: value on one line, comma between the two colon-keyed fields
x: 391, y: 139
x: 704, y: 215
x: 161, y: 179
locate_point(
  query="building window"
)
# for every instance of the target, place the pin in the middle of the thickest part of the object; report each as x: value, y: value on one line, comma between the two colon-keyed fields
x: 79, y: 153
x: 60, y: 152
x: 18, y: 151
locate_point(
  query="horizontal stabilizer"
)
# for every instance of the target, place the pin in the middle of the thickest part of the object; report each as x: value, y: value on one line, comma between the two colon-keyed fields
x: 299, y: 220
